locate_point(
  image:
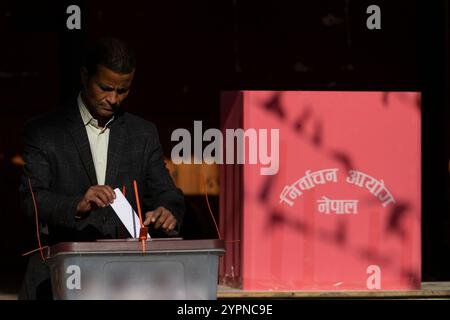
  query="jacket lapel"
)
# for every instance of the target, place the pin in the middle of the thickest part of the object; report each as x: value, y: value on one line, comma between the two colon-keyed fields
x: 80, y: 138
x: 117, y: 139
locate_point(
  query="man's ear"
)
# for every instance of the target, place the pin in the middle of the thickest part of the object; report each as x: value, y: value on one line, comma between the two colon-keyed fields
x: 84, y: 75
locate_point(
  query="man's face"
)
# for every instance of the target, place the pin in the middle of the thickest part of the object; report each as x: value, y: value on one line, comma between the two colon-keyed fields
x: 103, y: 89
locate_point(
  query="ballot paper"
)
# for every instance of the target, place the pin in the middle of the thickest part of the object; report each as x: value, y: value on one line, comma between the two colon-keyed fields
x: 126, y: 214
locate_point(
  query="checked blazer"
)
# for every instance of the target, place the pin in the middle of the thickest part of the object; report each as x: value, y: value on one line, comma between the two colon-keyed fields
x: 59, y: 163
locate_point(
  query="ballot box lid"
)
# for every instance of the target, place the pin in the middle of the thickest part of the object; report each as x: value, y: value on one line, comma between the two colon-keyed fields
x: 134, y: 246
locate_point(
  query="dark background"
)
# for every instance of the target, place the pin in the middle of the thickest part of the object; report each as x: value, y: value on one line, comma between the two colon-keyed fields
x: 188, y: 51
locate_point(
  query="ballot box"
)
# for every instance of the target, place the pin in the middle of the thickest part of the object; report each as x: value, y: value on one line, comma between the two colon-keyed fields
x: 323, y: 191
x: 120, y: 270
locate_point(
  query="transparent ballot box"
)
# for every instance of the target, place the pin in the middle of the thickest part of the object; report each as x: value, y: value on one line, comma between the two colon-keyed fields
x: 119, y: 269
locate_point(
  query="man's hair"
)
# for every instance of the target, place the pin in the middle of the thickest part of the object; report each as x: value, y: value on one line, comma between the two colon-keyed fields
x: 111, y: 53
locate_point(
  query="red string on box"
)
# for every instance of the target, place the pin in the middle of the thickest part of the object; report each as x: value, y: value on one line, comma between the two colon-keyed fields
x: 41, y: 248
x: 210, y: 211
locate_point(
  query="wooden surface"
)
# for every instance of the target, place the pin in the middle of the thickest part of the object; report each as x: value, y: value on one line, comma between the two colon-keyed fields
x: 429, y: 290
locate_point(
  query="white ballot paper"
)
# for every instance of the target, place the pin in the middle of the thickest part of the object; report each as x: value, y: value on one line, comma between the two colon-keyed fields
x: 126, y: 214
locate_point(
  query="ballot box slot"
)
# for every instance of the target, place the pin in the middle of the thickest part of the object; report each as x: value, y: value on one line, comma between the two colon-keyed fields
x: 111, y: 253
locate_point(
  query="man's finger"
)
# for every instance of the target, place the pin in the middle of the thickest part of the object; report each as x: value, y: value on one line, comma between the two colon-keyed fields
x: 156, y: 214
x: 110, y: 190
x: 103, y: 196
x: 106, y: 194
x: 105, y: 190
x: 172, y: 225
x: 99, y: 202
x: 168, y: 222
x: 152, y: 216
x: 148, y: 218
x: 162, y: 218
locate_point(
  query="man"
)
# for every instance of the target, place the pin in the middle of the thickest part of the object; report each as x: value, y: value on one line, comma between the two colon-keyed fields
x: 77, y: 156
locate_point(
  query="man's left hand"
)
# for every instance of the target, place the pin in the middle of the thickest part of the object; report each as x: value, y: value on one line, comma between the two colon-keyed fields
x: 161, y: 218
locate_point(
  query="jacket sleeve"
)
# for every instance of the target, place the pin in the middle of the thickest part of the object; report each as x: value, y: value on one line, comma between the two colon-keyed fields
x: 162, y: 190
x: 53, y: 209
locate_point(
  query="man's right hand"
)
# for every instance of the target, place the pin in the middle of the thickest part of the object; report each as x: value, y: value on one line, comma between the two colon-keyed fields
x: 96, y: 197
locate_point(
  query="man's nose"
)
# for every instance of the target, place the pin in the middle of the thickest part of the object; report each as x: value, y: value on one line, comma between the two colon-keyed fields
x: 112, y: 97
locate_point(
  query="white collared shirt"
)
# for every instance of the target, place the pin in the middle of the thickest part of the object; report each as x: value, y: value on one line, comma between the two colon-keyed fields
x: 98, y: 140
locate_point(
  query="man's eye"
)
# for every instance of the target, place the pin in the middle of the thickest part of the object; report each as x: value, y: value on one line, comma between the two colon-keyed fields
x: 121, y: 91
x: 105, y: 88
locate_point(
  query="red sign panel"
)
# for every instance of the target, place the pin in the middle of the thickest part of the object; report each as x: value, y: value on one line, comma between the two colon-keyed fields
x: 341, y: 209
